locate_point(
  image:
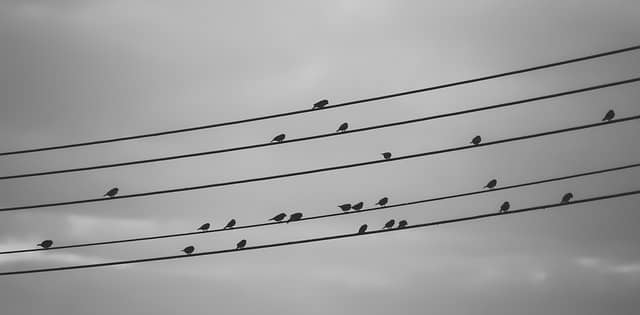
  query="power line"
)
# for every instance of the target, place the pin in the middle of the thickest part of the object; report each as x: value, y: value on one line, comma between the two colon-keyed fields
x: 253, y: 146
x: 366, y: 100
x: 137, y: 239
x: 326, y: 169
x: 325, y: 238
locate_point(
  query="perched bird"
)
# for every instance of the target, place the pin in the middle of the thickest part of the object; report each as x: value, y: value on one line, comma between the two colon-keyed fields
x: 204, y: 227
x: 241, y: 244
x: 390, y: 224
x: 504, y: 207
x: 189, y: 250
x: 345, y: 207
x: 609, y: 115
x: 358, y: 206
x: 492, y: 184
x: 476, y: 140
x: 279, y: 138
x: 279, y: 217
x: 112, y: 192
x: 46, y: 244
x: 386, y: 155
x: 363, y: 228
x: 567, y: 197
x: 231, y: 224
x: 382, y: 202
x: 295, y: 217
x: 343, y: 127
x: 320, y: 104
x: 402, y: 223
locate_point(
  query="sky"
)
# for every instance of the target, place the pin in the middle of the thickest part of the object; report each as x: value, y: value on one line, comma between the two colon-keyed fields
x: 73, y: 71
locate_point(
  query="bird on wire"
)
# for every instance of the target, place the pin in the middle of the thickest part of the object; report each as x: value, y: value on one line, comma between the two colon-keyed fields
x: 492, y: 184
x: 279, y: 138
x: 567, y: 197
x: 504, y: 207
x: 231, y: 224
x: 295, y: 217
x: 345, y: 207
x: 476, y: 140
x: 382, y: 202
x: 609, y: 115
x: 204, y: 227
x: 362, y: 229
x: 112, y: 192
x: 390, y: 224
x: 358, y: 206
x: 279, y: 217
x: 320, y: 104
x: 241, y: 244
x: 402, y: 224
x: 46, y: 244
x: 386, y: 155
x: 189, y: 250
x: 343, y: 127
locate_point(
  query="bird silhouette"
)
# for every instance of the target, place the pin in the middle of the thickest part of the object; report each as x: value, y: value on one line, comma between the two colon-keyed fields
x: 343, y: 127
x: 279, y: 138
x: 320, y: 104
x: 362, y: 229
x: 609, y: 115
x: 389, y: 224
x: 189, y: 250
x: 112, y: 192
x: 279, y: 217
x: 204, y: 227
x: 231, y: 224
x: 358, y: 206
x: 504, y: 207
x: 345, y: 207
x: 567, y: 197
x: 241, y: 244
x: 476, y: 140
x: 295, y: 217
x: 386, y: 155
x: 46, y: 244
x: 382, y: 202
x: 492, y: 184
x: 402, y: 223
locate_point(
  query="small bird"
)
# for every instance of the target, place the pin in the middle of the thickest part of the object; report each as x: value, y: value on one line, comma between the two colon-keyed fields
x: 345, y: 207
x: 279, y: 138
x: 112, y: 192
x: 343, y: 127
x: 609, y: 115
x: 492, y: 184
x: 295, y: 217
x: 46, y: 244
x: 504, y: 207
x: 204, y: 227
x: 476, y: 140
x: 402, y: 223
x: 279, y: 217
x: 567, y: 197
x: 189, y: 250
x: 382, y: 202
x: 363, y: 228
x: 390, y: 224
x: 320, y: 104
x: 386, y: 155
x: 241, y: 244
x: 358, y: 206
x: 231, y: 224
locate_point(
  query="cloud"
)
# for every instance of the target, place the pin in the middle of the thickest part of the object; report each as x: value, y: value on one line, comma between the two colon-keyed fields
x: 608, y: 266
x: 44, y: 256
x: 82, y: 225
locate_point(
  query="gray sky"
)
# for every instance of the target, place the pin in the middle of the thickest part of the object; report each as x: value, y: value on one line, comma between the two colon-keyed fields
x: 82, y: 70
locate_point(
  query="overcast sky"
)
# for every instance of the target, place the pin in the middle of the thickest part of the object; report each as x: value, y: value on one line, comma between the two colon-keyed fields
x: 77, y: 70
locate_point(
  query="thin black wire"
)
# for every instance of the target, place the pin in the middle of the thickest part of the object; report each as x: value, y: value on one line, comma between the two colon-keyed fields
x: 366, y: 100
x: 137, y: 239
x: 253, y: 146
x: 326, y: 169
x: 325, y: 238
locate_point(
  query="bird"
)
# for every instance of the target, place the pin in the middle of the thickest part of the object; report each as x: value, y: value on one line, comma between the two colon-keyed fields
x: 46, y: 244
x: 362, y: 229
x: 345, y: 207
x: 112, y: 192
x: 567, y: 197
x: 204, y: 227
x: 504, y: 207
x: 231, y: 224
x: 295, y: 217
x: 241, y: 244
x: 189, y: 250
x: 343, y: 127
x: 492, y: 184
x: 320, y: 104
x: 386, y: 155
x: 476, y: 140
x: 389, y: 224
x: 382, y: 202
x: 279, y: 217
x: 402, y: 223
x: 358, y: 206
x: 279, y: 138
x: 609, y: 115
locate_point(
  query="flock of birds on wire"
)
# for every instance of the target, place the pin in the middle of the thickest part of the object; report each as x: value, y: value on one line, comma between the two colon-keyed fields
x: 566, y: 198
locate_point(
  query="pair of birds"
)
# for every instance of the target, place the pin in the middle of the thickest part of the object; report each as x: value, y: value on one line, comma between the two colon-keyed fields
x: 297, y: 216
x: 358, y: 206
x: 566, y: 198
x: 190, y: 249
x: 279, y: 138
x: 207, y: 226
x: 389, y: 225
